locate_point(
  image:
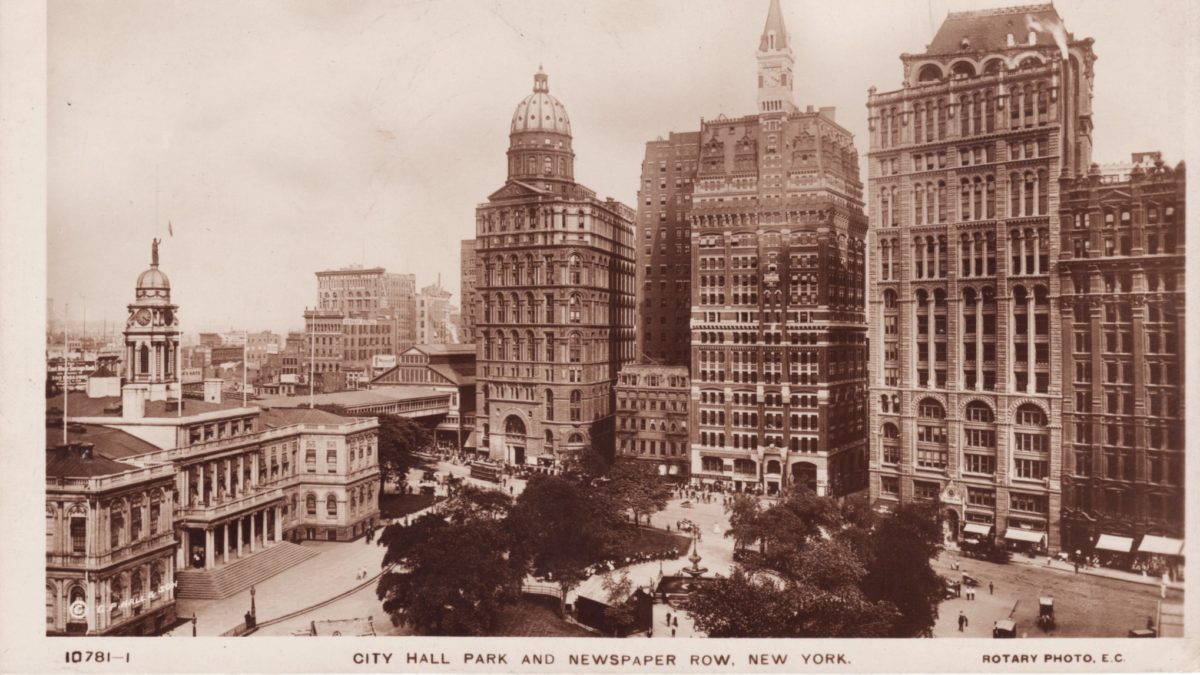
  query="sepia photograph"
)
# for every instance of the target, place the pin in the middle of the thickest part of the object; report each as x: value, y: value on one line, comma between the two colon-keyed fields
x: 614, y: 320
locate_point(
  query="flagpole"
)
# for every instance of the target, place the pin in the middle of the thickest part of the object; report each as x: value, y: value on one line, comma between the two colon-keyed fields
x: 245, y: 367
x: 66, y: 369
x: 312, y: 358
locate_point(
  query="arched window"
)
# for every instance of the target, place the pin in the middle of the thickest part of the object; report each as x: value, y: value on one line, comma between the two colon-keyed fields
x: 331, y: 504
x: 931, y: 435
x: 310, y: 504
x: 144, y: 360
x: 576, y: 405
x: 573, y: 308
x: 575, y: 275
x: 116, y: 593
x: 575, y: 348
x: 549, y: 398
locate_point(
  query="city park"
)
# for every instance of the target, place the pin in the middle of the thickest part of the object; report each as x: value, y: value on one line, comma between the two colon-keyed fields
x: 612, y: 550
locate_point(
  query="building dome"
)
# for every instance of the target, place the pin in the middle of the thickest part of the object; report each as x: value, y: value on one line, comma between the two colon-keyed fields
x: 540, y: 111
x: 153, y: 278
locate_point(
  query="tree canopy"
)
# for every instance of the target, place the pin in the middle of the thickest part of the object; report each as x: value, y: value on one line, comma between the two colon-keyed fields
x: 825, y: 569
x: 449, y: 578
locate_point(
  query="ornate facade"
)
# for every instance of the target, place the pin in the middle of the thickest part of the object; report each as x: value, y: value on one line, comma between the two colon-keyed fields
x: 1121, y: 264
x: 778, y: 325
x: 652, y: 416
x: 966, y: 360
x: 148, y: 499
x: 554, y: 288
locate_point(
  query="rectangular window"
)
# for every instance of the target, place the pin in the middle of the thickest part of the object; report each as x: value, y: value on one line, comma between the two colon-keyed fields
x: 984, y: 464
x: 925, y: 491
x: 889, y: 485
x: 1033, y: 469
x: 978, y: 497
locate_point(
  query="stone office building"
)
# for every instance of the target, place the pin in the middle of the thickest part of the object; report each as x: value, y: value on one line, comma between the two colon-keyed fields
x: 554, y: 279
x: 652, y: 417
x: 1121, y: 263
x: 966, y: 367
x: 777, y: 241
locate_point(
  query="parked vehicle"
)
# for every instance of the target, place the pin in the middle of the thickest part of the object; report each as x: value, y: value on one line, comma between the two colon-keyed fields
x: 1004, y: 629
x: 1046, y: 613
x: 1143, y: 633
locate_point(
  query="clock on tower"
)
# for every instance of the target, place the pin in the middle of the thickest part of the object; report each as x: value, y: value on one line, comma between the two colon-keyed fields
x: 775, y: 63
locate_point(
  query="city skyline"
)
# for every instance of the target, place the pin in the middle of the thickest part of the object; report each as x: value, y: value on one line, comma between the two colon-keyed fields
x: 240, y: 195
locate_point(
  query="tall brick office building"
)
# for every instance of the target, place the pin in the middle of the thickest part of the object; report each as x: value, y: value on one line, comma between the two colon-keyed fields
x: 554, y: 282
x: 758, y: 222
x: 966, y: 362
x: 1121, y: 262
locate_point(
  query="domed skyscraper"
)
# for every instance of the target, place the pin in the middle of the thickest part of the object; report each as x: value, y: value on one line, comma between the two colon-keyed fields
x: 152, y: 335
x: 540, y: 137
x: 553, y: 298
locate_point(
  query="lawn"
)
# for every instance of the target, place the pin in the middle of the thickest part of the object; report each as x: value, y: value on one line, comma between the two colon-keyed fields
x: 398, y: 506
x: 536, y: 617
x: 648, y: 540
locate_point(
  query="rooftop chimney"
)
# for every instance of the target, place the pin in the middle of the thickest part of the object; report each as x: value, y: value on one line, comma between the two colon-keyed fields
x: 212, y: 389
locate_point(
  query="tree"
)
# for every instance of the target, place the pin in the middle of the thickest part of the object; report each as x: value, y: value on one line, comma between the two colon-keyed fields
x: 897, y: 556
x: 744, y: 512
x: 399, y: 438
x: 559, y: 529
x: 448, y: 578
x: 475, y: 503
x: 634, y: 486
x: 824, y: 601
x: 619, y: 613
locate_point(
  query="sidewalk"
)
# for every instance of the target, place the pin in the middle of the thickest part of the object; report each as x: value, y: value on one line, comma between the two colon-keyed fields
x: 1120, y: 575
x: 329, y: 573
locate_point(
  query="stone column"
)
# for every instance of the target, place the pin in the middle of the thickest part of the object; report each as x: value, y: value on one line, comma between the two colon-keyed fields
x: 225, y: 531
x: 971, y: 259
x: 254, y: 477
x: 208, y: 548
x: 239, y: 537
x: 983, y: 261
x: 241, y: 475
x: 1021, y: 197
x: 181, y: 551
x: 228, y: 462
x: 253, y: 544
x: 924, y: 259
x: 979, y: 342
x: 937, y: 258
x: 1037, y: 244
x: 1029, y: 328
x: 201, y: 492
x: 1019, y: 246
x: 930, y: 350
x: 1037, y: 186
x: 278, y: 524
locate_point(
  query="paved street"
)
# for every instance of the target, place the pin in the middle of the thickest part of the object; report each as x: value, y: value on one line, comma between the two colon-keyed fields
x: 1085, y: 605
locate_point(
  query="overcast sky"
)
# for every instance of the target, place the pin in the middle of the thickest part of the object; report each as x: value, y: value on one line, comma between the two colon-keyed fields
x: 280, y: 138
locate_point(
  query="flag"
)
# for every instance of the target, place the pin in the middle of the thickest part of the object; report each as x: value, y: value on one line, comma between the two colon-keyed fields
x: 170, y: 230
x: 1052, y: 25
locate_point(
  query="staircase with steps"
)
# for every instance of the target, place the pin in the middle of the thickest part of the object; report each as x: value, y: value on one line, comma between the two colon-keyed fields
x: 239, y: 575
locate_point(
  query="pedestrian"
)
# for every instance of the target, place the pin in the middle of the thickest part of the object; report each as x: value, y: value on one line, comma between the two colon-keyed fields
x: 668, y: 618
x: 962, y: 621
x: 990, y: 588
x: 1077, y: 566
x: 672, y: 632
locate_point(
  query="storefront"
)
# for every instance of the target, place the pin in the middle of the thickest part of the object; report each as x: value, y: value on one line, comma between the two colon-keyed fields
x: 1113, y: 550
x: 1024, y: 540
x: 1158, y: 556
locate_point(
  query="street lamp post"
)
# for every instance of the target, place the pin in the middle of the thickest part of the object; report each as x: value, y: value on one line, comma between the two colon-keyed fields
x: 252, y: 610
x: 193, y: 624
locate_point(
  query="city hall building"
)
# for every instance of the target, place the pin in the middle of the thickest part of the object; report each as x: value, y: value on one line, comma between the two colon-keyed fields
x: 966, y: 330
x: 149, y: 497
x: 554, y: 293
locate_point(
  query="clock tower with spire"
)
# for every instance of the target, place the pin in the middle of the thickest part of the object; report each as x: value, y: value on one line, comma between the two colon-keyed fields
x: 152, y: 335
x: 775, y: 61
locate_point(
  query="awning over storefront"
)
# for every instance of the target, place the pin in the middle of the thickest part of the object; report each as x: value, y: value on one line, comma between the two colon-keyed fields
x: 1111, y: 542
x: 472, y: 440
x: 1017, y: 534
x: 1160, y: 545
x: 977, y: 528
